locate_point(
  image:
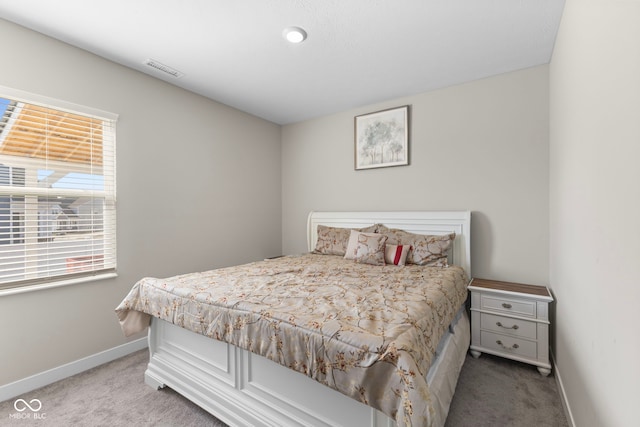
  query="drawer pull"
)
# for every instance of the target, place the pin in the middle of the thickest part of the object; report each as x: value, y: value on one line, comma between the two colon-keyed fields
x: 513, y: 347
x: 506, y: 305
x: 515, y: 327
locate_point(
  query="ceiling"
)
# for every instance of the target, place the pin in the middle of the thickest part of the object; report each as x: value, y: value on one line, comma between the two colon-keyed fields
x: 358, y: 52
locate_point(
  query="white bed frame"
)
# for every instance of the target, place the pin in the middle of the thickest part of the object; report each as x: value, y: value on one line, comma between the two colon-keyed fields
x: 244, y: 389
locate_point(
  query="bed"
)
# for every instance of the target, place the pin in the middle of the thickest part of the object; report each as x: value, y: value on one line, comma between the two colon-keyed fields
x: 269, y: 364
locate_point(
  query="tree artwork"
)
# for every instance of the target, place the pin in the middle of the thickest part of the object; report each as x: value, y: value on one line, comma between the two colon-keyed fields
x: 381, y: 139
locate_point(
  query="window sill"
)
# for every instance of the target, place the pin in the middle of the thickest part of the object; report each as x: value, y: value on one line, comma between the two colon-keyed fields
x: 56, y: 284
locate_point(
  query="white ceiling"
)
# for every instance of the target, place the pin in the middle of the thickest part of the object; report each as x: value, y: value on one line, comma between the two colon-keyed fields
x: 358, y: 52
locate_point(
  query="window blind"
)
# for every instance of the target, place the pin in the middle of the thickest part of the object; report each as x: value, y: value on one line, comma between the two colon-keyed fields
x: 57, y: 193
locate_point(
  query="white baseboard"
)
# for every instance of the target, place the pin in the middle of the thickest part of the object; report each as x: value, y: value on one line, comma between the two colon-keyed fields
x: 563, y: 395
x: 42, y: 379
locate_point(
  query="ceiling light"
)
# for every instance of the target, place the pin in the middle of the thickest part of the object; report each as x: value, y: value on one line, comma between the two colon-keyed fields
x: 294, y: 34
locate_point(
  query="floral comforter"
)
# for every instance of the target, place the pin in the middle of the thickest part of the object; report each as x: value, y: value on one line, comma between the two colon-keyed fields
x: 369, y: 332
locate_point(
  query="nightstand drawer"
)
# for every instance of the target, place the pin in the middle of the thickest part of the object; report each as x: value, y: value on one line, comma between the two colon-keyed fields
x: 507, y: 325
x: 509, y: 345
x: 513, y: 306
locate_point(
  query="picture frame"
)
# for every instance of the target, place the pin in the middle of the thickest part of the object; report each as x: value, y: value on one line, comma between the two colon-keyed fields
x: 381, y: 138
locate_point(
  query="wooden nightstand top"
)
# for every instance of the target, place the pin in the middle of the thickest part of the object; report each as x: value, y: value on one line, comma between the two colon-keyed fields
x: 511, y: 287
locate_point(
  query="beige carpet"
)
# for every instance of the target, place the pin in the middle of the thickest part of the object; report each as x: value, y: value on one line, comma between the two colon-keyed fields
x: 491, y: 392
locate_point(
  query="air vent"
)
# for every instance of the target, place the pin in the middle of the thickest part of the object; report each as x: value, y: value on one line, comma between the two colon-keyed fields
x: 165, y: 69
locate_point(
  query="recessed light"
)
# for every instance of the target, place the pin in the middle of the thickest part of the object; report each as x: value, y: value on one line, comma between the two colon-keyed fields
x: 294, y: 34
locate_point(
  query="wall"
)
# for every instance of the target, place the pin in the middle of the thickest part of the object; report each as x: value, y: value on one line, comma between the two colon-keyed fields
x: 480, y: 146
x: 198, y: 188
x: 595, y: 207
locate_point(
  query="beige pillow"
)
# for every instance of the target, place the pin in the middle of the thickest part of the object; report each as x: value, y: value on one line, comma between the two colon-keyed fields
x: 370, y: 248
x: 352, y: 245
x: 432, y: 250
x: 333, y: 240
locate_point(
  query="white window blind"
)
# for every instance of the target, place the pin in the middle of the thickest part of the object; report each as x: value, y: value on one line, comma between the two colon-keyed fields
x: 57, y: 193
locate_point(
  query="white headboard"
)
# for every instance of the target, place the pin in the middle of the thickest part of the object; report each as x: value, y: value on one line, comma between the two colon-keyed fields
x: 419, y: 222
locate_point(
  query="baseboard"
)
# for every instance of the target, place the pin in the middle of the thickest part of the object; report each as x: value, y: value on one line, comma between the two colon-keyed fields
x: 42, y: 379
x: 563, y: 395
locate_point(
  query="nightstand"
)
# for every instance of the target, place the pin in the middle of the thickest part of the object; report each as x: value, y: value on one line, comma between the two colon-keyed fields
x: 511, y: 320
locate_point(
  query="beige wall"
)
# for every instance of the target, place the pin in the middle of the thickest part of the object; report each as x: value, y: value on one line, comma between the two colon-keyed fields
x: 198, y: 188
x: 595, y: 209
x: 560, y: 209
x: 481, y: 146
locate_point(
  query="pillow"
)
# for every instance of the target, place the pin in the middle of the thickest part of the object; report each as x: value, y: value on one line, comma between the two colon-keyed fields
x: 432, y: 250
x: 370, y: 248
x: 352, y: 245
x: 333, y: 240
x: 396, y: 254
x: 381, y: 228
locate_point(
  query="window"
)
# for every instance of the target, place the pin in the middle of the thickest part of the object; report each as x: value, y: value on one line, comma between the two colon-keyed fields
x: 57, y: 191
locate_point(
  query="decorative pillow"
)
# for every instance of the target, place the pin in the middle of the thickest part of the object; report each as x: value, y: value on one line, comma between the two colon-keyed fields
x: 432, y: 250
x: 352, y: 245
x: 396, y: 254
x: 370, y: 249
x: 333, y: 240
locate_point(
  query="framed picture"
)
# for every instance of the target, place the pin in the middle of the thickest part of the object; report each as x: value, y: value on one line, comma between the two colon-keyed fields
x: 382, y: 138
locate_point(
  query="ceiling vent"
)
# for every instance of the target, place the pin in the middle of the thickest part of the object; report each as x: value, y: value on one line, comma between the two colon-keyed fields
x: 164, y: 68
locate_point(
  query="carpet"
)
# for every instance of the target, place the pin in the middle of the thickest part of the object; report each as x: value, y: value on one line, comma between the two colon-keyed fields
x: 491, y: 392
